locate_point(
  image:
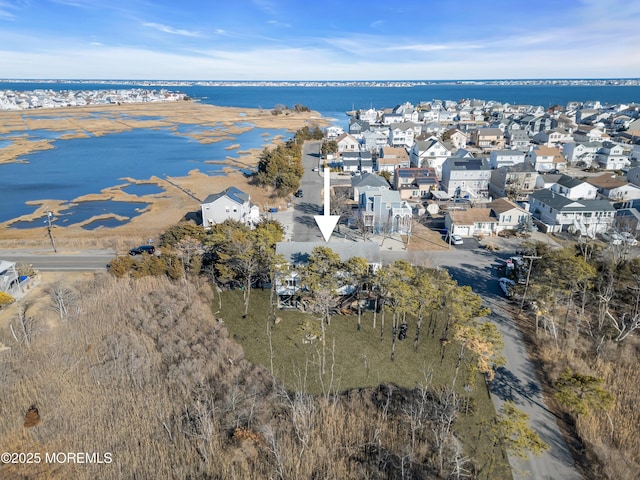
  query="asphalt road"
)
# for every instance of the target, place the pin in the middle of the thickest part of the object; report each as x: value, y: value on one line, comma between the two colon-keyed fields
x: 47, y: 261
x: 305, y: 228
x: 516, y: 381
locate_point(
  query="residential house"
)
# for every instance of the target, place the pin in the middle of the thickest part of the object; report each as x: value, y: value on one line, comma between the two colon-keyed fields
x: 415, y: 183
x: 574, y: 188
x: 391, y: 158
x: 351, y: 162
x: 515, y: 182
x: 546, y: 159
x: 466, y: 177
x: 456, y: 138
x: 614, y: 187
x: 580, y: 153
x: 232, y: 204
x: 332, y: 132
x: 505, y: 158
x: 509, y: 215
x: 347, y: 143
x: 356, y: 127
x: 488, y: 138
x: 559, y: 213
x: 470, y: 222
x: 518, y: 139
x: 401, y: 134
x: 288, y: 280
x: 390, y: 117
x: 611, y: 156
x: 9, y: 277
x: 429, y: 153
x: 383, y: 211
x: 366, y: 162
x: 553, y: 138
x: 533, y: 123
x: 633, y: 175
x: 586, y: 133
x: 374, y: 140
x: 367, y: 180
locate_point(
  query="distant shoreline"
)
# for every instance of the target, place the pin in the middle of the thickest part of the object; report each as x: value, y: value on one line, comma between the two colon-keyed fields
x: 589, y: 82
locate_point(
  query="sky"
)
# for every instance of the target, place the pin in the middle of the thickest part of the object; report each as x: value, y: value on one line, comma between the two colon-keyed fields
x: 319, y: 40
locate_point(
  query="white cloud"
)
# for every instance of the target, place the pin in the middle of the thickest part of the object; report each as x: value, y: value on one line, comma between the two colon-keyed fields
x: 171, y: 30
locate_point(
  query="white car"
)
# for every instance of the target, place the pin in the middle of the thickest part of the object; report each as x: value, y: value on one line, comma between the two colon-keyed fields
x: 629, y: 239
x: 613, y: 238
x: 505, y: 285
x: 455, y: 239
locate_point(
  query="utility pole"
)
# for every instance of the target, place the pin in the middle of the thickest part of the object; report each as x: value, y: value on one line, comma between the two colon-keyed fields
x: 50, y: 230
x: 526, y: 286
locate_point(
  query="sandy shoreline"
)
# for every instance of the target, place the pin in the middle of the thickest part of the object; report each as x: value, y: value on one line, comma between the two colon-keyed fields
x: 182, y: 194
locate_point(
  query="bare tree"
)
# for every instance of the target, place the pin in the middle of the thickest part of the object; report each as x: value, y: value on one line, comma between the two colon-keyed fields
x: 63, y: 298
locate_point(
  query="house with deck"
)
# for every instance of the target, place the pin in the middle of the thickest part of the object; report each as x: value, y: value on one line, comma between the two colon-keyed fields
x: 231, y: 204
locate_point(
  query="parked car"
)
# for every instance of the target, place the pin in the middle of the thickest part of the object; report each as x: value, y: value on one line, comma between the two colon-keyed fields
x: 505, y: 285
x: 298, y: 194
x: 629, y: 239
x: 148, y: 249
x: 314, y: 169
x: 454, y: 239
x: 613, y: 238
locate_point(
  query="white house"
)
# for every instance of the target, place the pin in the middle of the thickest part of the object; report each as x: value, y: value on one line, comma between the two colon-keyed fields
x: 612, y: 156
x: 401, y: 134
x: 9, y: 277
x: 347, y: 143
x: 429, y: 153
x: 231, y: 204
x: 470, y: 222
x: 574, y: 188
x: 505, y: 158
x: 466, y: 177
x: 613, y: 187
x: 509, y: 215
x: 391, y: 158
x: 560, y: 213
x: 582, y: 153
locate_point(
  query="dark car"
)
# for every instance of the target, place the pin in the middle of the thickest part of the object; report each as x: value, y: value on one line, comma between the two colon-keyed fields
x: 298, y: 193
x: 150, y: 249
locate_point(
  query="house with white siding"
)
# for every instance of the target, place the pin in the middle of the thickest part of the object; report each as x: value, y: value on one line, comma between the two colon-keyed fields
x: 429, y: 153
x: 232, y: 204
x: 505, y: 158
x: 574, y: 188
x: 614, y: 187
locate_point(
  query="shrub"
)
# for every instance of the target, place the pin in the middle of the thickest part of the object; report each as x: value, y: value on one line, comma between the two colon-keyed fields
x: 6, y: 299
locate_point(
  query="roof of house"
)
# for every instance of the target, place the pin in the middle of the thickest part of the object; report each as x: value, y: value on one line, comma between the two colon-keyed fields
x: 467, y: 163
x: 543, y: 150
x: 607, y: 181
x: 560, y: 202
x: 297, y: 253
x: 369, y: 180
x: 393, y: 152
x: 569, y: 181
x: 471, y: 216
x: 501, y: 205
x: 232, y: 193
x: 490, y: 131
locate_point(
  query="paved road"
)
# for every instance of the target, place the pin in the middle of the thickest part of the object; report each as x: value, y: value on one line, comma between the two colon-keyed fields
x: 305, y: 228
x: 62, y: 262
x: 517, y: 380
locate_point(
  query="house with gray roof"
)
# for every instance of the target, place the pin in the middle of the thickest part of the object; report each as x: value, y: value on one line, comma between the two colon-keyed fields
x: 466, y: 177
x: 515, y: 182
x: 232, y: 204
x: 359, y: 182
x: 574, y: 188
x: 505, y: 158
x: 559, y: 213
x: 383, y: 211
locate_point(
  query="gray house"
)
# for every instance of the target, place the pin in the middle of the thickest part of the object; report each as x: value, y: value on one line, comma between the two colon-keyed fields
x: 383, y: 211
x: 466, y: 177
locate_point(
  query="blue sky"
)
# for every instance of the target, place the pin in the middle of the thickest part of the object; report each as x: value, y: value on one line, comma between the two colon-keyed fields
x: 319, y: 40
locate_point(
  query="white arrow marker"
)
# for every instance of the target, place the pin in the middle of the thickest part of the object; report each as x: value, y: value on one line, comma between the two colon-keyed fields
x: 327, y: 222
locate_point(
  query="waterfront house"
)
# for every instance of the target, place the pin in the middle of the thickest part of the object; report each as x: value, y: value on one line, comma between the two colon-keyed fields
x: 231, y: 204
